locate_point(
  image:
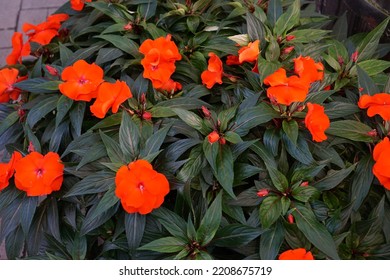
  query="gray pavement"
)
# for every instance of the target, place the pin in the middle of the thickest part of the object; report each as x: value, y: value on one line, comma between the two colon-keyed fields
x: 13, y: 13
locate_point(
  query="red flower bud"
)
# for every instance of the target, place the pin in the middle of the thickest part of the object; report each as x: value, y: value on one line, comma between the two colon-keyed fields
x: 262, y: 193
x: 288, y: 50
x: 206, y: 112
x: 146, y: 116
x: 290, y: 37
x: 354, y: 56
x: 372, y: 133
x: 128, y: 26
x: 52, y: 71
x: 142, y: 99
x: 213, y: 137
x: 304, y: 184
x: 290, y: 219
x: 222, y: 141
x: 340, y: 60
x: 31, y: 147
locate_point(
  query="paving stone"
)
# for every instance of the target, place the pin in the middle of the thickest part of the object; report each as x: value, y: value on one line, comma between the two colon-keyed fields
x: 6, y: 36
x: 31, y: 16
x: 9, y: 13
x: 3, y: 54
x: 29, y: 4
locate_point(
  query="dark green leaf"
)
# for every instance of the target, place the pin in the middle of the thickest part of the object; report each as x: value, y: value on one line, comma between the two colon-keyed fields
x: 335, y: 110
x: 154, y: 143
x: 123, y: 43
x: 84, y: 53
x: 366, y: 84
x: 352, y: 130
x: 374, y: 66
x: 107, y: 54
x: 193, y: 165
x: 94, y: 183
x: 165, y: 245
x: 315, y: 231
x: 256, y: 29
x: 40, y: 110
x: 210, y: 222
x: 289, y: 19
x: 232, y: 137
x: 333, y: 178
x: 63, y: 106
x: 270, y: 210
x: 362, y: 181
x: 129, y: 138
x: 8, y: 121
x: 135, y: 227
x: 236, y: 235
x: 191, y: 119
x: 108, y: 200
x: 175, y: 224
x: 291, y: 129
x: 65, y: 54
x: 271, y: 241
x: 112, y: 147
x: 304, y: 193
x: 274, y: 11
x: 224, y: 170
x: 300, y: 151
x: 77, y: 116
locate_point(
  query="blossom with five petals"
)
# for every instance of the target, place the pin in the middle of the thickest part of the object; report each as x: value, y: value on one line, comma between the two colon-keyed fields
x: 307, y: 68
x: 377, y: 104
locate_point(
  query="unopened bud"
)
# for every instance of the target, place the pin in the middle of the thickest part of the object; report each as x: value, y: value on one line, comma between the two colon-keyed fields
x: 290, y: 37
x: 290, y: 219
x: 52, y: 71
x: 372, y: 133
x: 304, y: 184
x: 213, y: 137
x: 21, y: 113
x: 354, y: 56
x: 288, y: 50
x: 222, y: 141
x: 128, y: 26
x: 31, y: 147
x: 340, y: 59
x: 206, y: 112
x: 262, y: 193
x: 142, y: 99
x: 146, y: 116
x: 279, y: 39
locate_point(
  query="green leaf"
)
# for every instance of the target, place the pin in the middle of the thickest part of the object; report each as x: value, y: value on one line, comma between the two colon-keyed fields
x: 108, y: 200
x: 300, y: 151
x: 29, y: 205
x: 289, y: 19
x: 191, y: 119
x: 172, y: 222
x: 335, y: 110
x: 193, y: 23
x: 165, y: 245
x: 264, y: 154
x: 14, y: 244
x: 89, y: 225
x: 236, y: 235
x: 135, y: 228
x: 94, y: 183
x: 273, y: 50
x: 123, y: 43
x: 271, y: 241
x: 232, y: 137
x: 315, y: 231
x: 256, y: 29
x: 304, y: 193
x: 110, y: 9
x: 366, y: 84
x: 352, y: 130
x: 78, y: 248
x: 109, y: 121
x: 112, y: 148
x: 84, y: 53
x: 226, y: 116
x: 65, y: 54
x: 267, y: 68
x: 306, y: 173
x: 270, y: 210
x: 77, y: 116
x: 274, y: 11
x: 369, y: 44
x: 224, y: 170
x: 32, y: 138
x: 193, y: 165
x: 271, y: 139
x: 333, y: 178
x: 41, y: 109
x: 308, y: 35
x: 252, y: 117
x: 362, y: 181
x: 291, y: 129
x: 129, y: 138
x: 210, y: 222
x: 63, y: 106
x: 8, y: 121
x: 38, y: 85
x: 107, y: 54
x: 373, y: 66
x: 154, y: 143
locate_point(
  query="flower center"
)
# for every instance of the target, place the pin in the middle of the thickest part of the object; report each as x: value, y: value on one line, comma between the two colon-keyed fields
x: 141, y: 186
x: 39, y: 172
x: 83, y: 81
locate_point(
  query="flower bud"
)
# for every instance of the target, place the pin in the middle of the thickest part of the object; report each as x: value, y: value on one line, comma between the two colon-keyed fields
x: 290, y: 37
x: 206, y: 112
x: 52, y: 71
x: 31, y: 147
x: 146, y: 116
x: 340, y: 60
x: 213, y: 137
x: 290, y: 219
x: 222, y: 141
x: 372, y: 133
x: 262, y: 193
x: 287, y: 50
x: 128, y: 26
x: 354, y: 56
x: 304, y: 184
x: 142, y: 99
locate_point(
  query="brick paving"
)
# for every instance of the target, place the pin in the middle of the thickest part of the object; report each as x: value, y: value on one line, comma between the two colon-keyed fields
x: 14, y: 13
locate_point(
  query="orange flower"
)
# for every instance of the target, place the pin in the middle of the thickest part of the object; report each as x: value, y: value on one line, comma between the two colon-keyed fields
x: 317, y: 122
x: 213, y: 137
x: 7, y: 170
x: 232, y: 60
x: 377, y: 104
x: 307, y: 68
x: 381, y: 167
x: 44, y: 32
x: 214, y: 71
x: 249, y: 53
x: 81, y: 80
x: 296, y: 254
x: 8, y: 77
x: 140, y: 188
x: 286, y: 90
x: 78, y: 5
x: 18, y: 49
x: 171, y: 86
x: 159, y: 61
x: 39, y: 175
x: 110, y: 96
